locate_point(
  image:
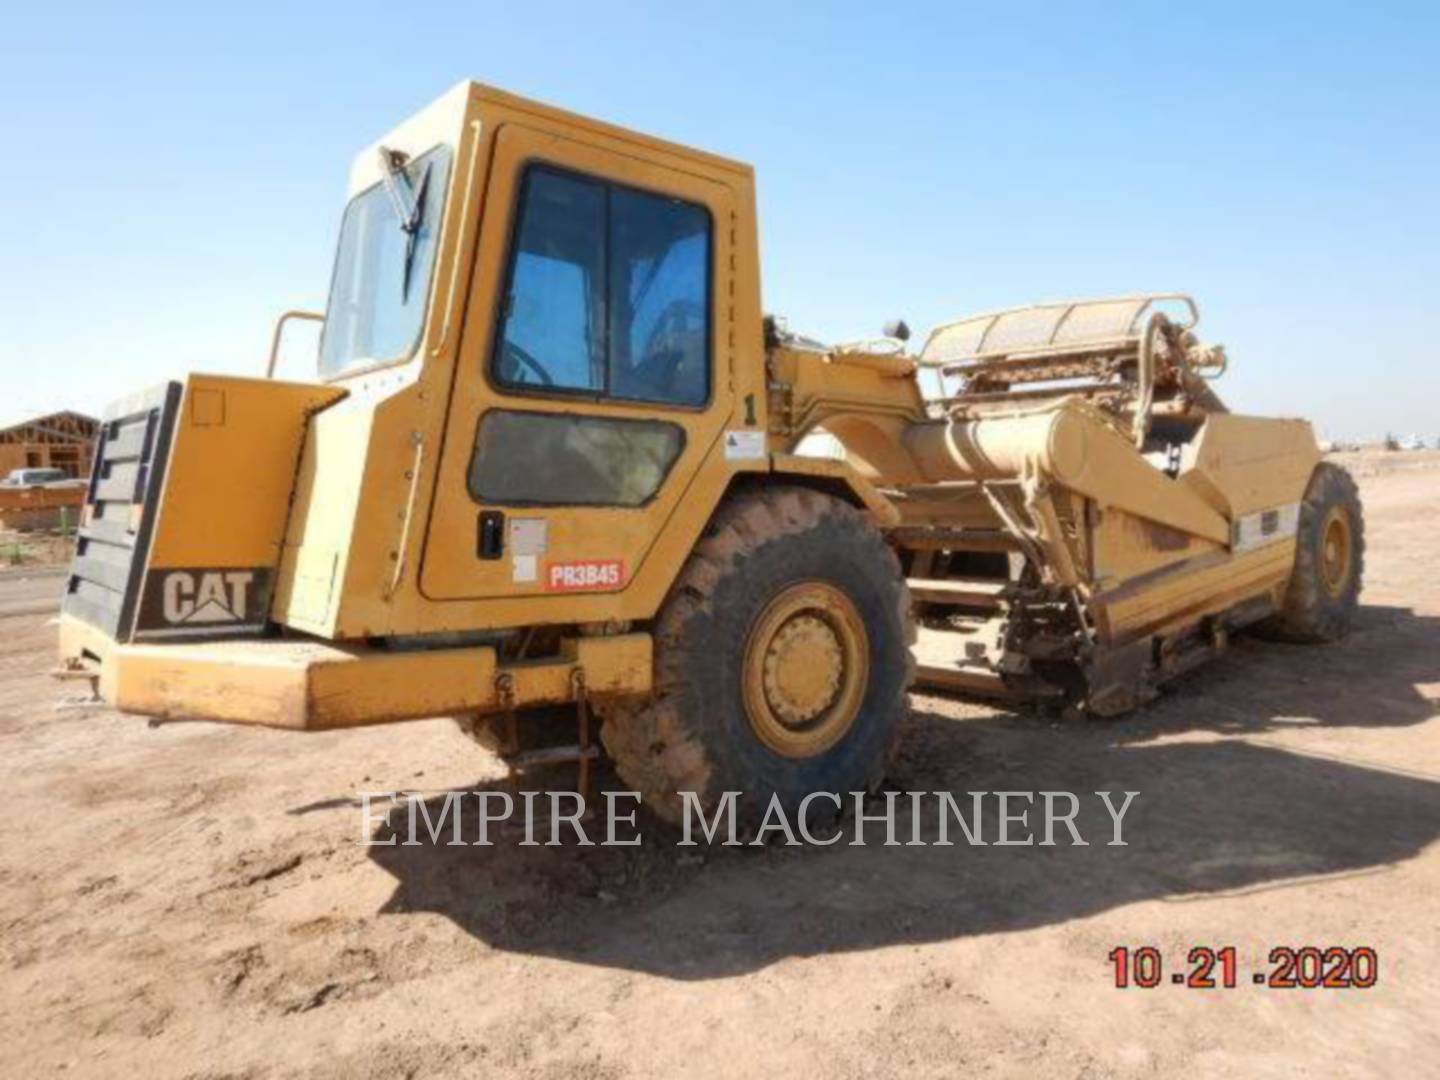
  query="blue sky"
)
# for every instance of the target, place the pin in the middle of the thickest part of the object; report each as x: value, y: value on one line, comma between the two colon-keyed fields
x: 177, y: 174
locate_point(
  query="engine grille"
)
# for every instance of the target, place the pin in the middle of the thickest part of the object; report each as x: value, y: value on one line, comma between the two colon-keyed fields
x: 114, y: 540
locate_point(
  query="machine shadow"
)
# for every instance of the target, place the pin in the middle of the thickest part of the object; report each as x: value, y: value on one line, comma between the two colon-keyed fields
x: 1213, y: 814
x: 1372, y: 679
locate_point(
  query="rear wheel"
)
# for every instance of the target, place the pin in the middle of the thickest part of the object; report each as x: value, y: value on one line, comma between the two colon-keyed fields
x: 782, y: 663
x: 1329, y: 561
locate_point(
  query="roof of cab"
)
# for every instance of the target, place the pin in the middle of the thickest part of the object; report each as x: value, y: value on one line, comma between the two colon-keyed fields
x: 483, y: 92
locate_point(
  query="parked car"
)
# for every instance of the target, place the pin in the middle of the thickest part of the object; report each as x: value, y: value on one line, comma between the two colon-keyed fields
x: 40, y: 478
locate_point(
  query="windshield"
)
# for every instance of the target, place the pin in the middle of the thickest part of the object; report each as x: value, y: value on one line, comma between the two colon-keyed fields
x: 382, y: 270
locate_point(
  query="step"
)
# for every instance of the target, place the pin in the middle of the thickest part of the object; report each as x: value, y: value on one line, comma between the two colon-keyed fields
x: 968, y: 592
x: 939, y: 538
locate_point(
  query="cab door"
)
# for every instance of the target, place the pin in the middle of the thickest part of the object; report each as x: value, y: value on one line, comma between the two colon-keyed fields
x: 589, y: 386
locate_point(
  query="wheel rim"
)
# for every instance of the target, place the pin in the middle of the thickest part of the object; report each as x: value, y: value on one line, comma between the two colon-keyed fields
x: 807, y: 663
x: 1335, y: 547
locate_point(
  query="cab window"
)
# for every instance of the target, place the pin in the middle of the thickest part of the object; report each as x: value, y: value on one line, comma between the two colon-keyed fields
x: 607, y: 293
x: 381, y: 281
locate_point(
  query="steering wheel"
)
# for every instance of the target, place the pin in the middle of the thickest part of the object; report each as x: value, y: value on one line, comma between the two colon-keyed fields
x: 521, y: 358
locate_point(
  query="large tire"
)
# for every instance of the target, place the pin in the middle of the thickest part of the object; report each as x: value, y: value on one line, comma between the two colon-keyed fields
x: 815, y: 564
x: 1329, y: 561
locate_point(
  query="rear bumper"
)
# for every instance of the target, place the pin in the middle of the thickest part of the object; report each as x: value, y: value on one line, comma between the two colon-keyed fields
x: 316, y: 685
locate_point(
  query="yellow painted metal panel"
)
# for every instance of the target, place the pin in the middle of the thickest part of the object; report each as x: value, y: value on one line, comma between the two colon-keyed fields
x: 1245, y: 463
x: 1203, y: 586
x: 232, y: 469
x: 328, y: 485
x: 306, y: 684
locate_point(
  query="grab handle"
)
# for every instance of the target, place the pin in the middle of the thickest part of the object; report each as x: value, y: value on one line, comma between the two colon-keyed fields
x: 310, y: 316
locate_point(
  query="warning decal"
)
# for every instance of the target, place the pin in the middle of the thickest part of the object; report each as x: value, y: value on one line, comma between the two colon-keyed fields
x: 744, y: 446
x: 592, y: 574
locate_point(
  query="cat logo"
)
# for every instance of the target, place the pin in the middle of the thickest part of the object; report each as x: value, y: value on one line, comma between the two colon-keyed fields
x: 206, y: 597
x: 201, y: 601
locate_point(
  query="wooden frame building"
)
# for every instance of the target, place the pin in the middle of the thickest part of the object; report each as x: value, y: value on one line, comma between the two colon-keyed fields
x: 62, y: 440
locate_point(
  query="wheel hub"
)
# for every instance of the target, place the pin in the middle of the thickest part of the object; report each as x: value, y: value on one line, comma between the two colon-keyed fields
x: 1335, y: 552
x: 807, y: 664
x: 803, y: 666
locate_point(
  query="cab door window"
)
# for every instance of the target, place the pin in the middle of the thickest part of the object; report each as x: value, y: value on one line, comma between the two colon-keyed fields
x: 553, y: 333
x: 608, y: 293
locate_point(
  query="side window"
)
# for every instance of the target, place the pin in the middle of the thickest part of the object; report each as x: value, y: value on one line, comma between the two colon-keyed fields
x: 552, y: 334
x: 571, y: 460
x: 608, y: 292
x: 659, y: 322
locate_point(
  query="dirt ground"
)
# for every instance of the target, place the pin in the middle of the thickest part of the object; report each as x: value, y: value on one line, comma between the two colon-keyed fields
x: 192, y: 900
x: 35, y: 547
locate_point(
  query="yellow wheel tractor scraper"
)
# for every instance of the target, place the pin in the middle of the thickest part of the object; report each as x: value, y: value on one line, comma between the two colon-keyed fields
x: 556, y: 459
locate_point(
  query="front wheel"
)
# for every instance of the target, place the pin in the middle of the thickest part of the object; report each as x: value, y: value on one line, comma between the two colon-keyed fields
x: 782, y: 663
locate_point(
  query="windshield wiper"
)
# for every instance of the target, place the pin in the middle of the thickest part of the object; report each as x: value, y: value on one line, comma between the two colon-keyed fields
x: 409, y: 209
